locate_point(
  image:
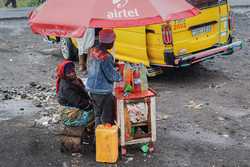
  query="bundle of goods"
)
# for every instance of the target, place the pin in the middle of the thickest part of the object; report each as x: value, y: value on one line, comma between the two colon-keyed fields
x: 134, y: 78
x: 135, y: 113
x: 71, y: 139
x: 74, y: 117
x: 138, y: 112
x: 77, y: 124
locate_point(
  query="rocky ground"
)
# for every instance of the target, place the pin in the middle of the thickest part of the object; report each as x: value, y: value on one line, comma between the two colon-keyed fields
x: 203, y: 111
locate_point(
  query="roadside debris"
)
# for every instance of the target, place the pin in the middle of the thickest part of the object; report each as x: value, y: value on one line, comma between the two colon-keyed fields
x: 221, y: 119
x: 194, y: 106
x: 213, y: 85
x: 162, y: 117
x: 37, y: 103
x: 77, y: 155
x: 47, y: 119
x: 129, y: 159
x: 145, y: 148
x: 41, y: 97
x: 51, y: 51
x: 56, y: 118
x: 42, y: 122
x: 65, y: 164
x: 225, y: 135
x: 40, y: 94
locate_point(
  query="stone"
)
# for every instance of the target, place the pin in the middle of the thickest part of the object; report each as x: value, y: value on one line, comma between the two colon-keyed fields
x: 33, y: 84
x: 221, y: 118
x: 38, y: 104
x: 23, y: 96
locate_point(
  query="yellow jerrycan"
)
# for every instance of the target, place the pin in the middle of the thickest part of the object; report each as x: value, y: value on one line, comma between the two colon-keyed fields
x: 107, y: 143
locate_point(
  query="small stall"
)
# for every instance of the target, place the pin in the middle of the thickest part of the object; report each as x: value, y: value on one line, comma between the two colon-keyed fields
x: 136, y: 117
x: 135, y: 107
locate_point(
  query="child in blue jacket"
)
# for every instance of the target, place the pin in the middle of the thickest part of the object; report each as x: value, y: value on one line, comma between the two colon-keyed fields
x: 101, y: 77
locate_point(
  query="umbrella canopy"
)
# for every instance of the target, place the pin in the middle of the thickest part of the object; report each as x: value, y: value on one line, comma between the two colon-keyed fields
x: 69, y: 18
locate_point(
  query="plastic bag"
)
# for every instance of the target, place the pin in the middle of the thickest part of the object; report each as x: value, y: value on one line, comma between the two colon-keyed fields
x: 138, y: 112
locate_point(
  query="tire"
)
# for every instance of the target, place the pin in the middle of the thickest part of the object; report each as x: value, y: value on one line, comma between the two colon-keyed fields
x: 69, y: 51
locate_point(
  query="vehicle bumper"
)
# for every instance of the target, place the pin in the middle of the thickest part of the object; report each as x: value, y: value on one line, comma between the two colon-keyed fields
x: 204, y: 55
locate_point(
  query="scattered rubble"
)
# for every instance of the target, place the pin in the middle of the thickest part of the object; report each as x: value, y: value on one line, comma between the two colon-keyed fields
x: 42, y: 96
x: 42, y: 122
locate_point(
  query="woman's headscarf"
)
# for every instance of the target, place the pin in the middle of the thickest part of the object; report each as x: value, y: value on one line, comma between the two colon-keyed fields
x: 62, y: 69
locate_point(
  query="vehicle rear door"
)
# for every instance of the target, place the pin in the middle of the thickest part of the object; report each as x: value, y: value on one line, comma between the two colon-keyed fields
x: 130, y: 45
x: 202, y: 31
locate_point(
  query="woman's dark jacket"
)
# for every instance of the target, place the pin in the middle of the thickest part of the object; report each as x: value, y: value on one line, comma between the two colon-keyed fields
x: 73, y: 94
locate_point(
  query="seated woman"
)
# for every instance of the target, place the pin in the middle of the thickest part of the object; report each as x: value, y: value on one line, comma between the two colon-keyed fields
x: 71, y: 93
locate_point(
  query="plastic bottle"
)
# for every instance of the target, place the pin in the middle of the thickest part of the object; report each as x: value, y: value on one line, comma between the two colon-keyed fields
x: 119, y: 86
x: 121, y: 66
x: 128, y: 88
x: 145, y: 148
x: 144, y: 78
x: 128, y: 74
x: 137, y: 80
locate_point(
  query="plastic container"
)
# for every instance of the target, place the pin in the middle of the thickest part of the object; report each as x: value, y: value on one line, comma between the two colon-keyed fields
x: 106, y: 144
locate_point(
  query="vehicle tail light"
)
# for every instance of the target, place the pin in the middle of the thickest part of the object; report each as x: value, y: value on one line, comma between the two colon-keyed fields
x: 167, y: 34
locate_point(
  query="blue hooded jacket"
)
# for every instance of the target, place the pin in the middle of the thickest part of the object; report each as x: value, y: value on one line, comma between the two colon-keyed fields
x: 101, y: 72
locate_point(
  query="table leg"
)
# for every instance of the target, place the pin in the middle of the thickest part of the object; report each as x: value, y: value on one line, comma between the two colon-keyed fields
x: 153, y: 118
x: 124, y: 151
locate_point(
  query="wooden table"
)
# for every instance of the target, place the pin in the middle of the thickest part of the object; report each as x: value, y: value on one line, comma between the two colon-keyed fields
x: 149, y: 97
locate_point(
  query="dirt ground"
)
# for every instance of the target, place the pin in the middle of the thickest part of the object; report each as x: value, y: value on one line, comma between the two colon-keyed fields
x: 203, y: 111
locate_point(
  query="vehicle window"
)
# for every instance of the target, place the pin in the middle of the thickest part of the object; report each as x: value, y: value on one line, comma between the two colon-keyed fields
x: 206, y: 3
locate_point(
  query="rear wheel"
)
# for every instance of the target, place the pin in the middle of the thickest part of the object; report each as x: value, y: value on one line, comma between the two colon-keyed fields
x: 69, y: 51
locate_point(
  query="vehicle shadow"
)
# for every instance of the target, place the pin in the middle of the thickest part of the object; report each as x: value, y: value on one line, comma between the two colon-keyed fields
x: 197, y: 75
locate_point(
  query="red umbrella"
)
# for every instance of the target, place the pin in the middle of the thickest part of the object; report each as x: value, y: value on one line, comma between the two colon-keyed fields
x: 69, y: 18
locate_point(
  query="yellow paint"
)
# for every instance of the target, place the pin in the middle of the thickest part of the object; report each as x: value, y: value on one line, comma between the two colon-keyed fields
x: 183, y: 39
x: 130, y: 44
x: 74, y: 42
x: 106, y: 144
x: 52, y: 38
